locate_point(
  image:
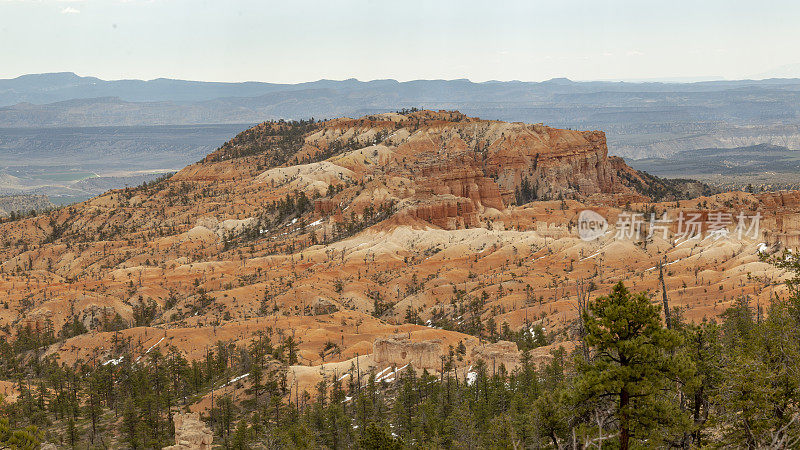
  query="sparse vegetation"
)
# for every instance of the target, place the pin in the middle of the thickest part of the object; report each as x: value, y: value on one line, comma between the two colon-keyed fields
x: 118, y: 311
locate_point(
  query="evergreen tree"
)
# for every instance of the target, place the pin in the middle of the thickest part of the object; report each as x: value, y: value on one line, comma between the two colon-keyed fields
x: 27, y: 438
x: 378, y: 438
x: 633, y: 366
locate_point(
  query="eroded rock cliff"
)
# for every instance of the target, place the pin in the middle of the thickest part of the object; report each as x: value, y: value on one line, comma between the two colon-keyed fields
x: 440, y: 167
x: 190, y: 433
x: 399, y: 351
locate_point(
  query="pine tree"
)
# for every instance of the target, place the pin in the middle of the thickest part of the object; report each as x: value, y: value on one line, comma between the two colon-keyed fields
x: 241, y: 437
x: 130, y: 424
x: 633, y: 365
x: 26, y: 438
x: 377, y: 438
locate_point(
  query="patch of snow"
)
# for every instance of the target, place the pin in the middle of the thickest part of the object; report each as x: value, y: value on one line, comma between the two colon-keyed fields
x: 697, y: 236
x: 153, y: 346
x: 114, y: 362
x: 240, y: 377
x: 590, y: 256
x: 671, y: 262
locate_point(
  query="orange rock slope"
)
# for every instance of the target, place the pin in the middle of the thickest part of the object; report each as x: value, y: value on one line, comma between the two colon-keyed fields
x: 344, y: 232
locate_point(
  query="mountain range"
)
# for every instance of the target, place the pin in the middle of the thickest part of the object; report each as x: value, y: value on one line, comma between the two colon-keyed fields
x: 640, y: 119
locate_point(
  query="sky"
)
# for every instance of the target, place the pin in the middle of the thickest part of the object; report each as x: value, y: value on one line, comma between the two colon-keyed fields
x: 293, y: 41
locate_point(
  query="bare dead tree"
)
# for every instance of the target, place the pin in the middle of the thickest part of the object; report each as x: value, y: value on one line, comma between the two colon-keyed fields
x: 582, y: 291
x: 667, y: 317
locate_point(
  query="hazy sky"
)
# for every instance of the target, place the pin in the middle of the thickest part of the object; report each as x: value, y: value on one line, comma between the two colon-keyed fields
x: 290, y: 41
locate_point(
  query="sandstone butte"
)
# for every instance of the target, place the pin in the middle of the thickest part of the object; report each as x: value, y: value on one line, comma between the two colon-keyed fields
x: 418, y: 210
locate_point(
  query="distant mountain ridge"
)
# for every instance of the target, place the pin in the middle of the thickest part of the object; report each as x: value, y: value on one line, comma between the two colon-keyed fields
x: 649, y: 119
x: 55, y: 87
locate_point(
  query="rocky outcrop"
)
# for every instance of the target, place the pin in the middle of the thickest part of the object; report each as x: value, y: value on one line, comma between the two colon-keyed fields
x: 324, y: 306
x: 191, y: 433
x: 553, y: 162
x: 508, y: 355
x: 442, y: 167
x: 231, y: 227
x: 461, y: 178
x: 446, y: 212
x: 489, y: 164
x: 496, y: 354
x: 399, y: 351
x: 315, y: 177
x: 780, y: 199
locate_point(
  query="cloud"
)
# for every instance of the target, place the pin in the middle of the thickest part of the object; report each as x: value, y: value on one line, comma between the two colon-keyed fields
x: 634, y: 53
x: 70, y: 10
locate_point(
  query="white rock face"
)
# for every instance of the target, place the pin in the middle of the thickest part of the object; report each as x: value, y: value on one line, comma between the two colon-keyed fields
x: 314, y: 176
x: 211, y: 226
x: 400, y: 351
x: 191, y: 433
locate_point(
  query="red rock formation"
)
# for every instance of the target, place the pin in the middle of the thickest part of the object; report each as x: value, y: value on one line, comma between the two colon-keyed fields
x: 782, y: 226
x: 446, y: 212
x: 486, y: 162
x: 556, y: 162
x: 325, y: 206
x: 445, y: 159
x: 781, y: 199
x: 463, y: 178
